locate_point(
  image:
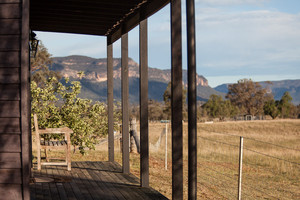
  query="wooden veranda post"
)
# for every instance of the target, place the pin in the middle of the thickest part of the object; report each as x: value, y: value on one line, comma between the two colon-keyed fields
x: 176, y: 100
x: 144, y: 134
x: 125, y: 104
x: 110, y: 102
x: 192, y: 101
x: 25, y: 100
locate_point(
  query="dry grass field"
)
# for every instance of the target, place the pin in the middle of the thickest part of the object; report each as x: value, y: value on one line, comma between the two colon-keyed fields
x: 271, y: 159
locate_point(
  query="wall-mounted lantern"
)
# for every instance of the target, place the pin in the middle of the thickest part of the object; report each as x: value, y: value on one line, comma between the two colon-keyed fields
x: 33, y: 44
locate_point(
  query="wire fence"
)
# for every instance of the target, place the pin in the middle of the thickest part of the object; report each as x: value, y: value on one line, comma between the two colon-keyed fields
x: 268, y: 170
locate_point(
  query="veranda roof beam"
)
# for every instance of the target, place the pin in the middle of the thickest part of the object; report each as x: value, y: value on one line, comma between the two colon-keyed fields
x: 127, y: 23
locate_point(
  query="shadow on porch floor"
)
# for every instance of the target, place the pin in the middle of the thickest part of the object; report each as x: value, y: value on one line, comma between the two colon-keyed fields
x: 88, y: 181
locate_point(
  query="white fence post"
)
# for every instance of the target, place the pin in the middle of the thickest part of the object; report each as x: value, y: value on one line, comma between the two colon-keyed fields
x: 240, y: 169
x: 166, y: 152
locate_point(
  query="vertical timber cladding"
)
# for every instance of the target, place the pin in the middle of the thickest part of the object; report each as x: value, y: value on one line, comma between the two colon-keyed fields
x: 12, y: 159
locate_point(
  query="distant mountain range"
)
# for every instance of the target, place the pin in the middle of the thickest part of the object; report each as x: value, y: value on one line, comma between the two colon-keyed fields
x: 94, y: 81
x: 94, y: 85
x: 278, y: 88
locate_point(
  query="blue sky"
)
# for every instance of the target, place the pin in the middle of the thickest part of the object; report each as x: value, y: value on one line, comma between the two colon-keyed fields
x: 257, y: 39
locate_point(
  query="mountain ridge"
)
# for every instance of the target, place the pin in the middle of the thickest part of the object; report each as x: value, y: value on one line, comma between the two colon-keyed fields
x: 278, y: 88
x: 69, y: 66
x: 94, y: 81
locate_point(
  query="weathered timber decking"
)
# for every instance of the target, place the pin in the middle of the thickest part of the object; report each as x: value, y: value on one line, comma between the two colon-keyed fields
x: 88, y: 181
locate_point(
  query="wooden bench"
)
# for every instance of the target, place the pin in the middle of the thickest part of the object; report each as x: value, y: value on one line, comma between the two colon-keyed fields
x: 54, y: 144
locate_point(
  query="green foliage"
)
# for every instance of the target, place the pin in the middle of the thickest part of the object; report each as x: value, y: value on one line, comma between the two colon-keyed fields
x: 44, y: 103
x: 42, y: 58
x: 57, y: 105
x: 41, y: 76
x: 249, y: 96
x: 285, y: 105
x: 271, y: 108
x: 216, y: 107
x: 39, y: 67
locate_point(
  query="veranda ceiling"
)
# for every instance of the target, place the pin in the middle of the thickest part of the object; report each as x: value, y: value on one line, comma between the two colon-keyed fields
x: 96, y: 17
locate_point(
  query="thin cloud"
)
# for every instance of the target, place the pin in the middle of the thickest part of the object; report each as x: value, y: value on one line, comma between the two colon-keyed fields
x: 232, y: 2
x: 245, y: 40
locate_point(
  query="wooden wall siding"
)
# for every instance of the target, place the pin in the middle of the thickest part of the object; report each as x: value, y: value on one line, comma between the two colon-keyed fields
x: 10, y: 143
x: 9, y: 1
x: 10, y: 11
x: 9, y: 75
x: 10, y: 134
x: 10, y: 161
x: 9, y: 42
x: 10, y: 176
x: 10, y: 109
x: 9, y: 125
x: 9, y: 59
x: 9, y: 92
x: 10, y: 26
x: 10, y: 191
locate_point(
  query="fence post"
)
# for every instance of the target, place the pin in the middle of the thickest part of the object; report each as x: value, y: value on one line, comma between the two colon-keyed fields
x: 166, y: 151
x: 240, y: 169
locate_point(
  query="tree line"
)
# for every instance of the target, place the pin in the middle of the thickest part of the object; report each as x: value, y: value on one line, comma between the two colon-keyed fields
x: 243, y: 98
x: 249, y: 98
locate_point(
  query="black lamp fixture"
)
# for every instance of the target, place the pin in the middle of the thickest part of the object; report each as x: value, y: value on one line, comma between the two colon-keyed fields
x: 33, y: 44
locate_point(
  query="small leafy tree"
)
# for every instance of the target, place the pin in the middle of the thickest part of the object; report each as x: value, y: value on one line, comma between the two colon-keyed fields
x: 58, y: 105
x: 248, y: 96
x: 213, y: 106
x: 42, y: 58
x: 40, y: 72
x: 271, y: 108
x: 216, y: 107
x: 44, y: 103
x: 285, y: 105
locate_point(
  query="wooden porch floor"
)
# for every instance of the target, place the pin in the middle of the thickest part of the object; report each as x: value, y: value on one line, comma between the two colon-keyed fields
x: 88, y: 181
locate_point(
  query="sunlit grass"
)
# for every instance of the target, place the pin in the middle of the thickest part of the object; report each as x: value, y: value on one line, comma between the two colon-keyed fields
x: 264, y: 177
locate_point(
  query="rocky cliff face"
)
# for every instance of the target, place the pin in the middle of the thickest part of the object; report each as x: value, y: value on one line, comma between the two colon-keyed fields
x: 95, y: 70
x: 94, y: 80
